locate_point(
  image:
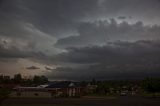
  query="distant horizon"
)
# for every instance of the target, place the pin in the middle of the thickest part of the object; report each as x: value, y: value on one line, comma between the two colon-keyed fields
x: 107, y: 79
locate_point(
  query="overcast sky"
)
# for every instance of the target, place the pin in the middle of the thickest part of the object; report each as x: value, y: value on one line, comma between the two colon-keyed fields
x: 80, y: 39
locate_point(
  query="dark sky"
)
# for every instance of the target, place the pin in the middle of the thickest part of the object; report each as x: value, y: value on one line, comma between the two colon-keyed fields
x: 80, y: 39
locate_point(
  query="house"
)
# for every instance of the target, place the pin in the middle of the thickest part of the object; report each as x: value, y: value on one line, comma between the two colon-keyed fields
x: 8, y: 86
x: 65, y: 88
x: 30, y: 92
x: 55, y: 89
x: 135, y: 90
x: 91, y: 88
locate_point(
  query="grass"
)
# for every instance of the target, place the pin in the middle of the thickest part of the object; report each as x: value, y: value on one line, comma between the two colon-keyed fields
x: 35, y: 105
x: 120, y: 101
x: 151, y: 95
x: 102, y: 95
x: 4, y: 92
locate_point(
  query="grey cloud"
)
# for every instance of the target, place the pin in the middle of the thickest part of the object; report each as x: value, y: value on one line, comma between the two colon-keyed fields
x: 115, y: 52
x: 106, y: 72
x: 59, y: 17
x: 122, y: 17
x: 12, y: 53
x: 32, y: 68
x: 135, y: 8
x: 48, y: 68
x: 19, y: 49
x: 115, y: 60
x: 56, y: 16
x: 13, y: 50
x: 101, y: 32
x: 40, y: 21
x: 30, y: 29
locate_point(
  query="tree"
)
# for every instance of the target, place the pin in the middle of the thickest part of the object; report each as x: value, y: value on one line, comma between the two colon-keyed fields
x: 5, y: 79
x: 93, y: 81
x: 17, y: 78
x: 1, y: 78
x: 151, y: 85
x: 44, y: 79
x: 40, y: 80
x: 103, y: 88
x: 27, y: 82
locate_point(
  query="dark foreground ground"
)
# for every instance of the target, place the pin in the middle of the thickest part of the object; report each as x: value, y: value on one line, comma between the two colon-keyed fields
x: 118, y: 101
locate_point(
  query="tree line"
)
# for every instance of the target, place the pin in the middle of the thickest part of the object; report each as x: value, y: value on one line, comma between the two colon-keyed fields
x: 150, y: 85
x: 18, y: 79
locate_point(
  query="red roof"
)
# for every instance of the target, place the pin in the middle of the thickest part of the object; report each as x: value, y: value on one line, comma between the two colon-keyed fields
x: 8, y: 85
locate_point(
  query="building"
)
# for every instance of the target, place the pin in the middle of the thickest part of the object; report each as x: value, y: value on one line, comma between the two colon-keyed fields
x: 91, y: 88
x: 55, y: 89
x: 30, y: 92
x: 8, y: 86
x: 65, y: 88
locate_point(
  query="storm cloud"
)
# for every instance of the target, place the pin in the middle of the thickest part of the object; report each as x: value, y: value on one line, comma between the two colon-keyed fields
x: 100, y: 32
x: 32, y: 68
x: 78, y: 39
x: 113, y: 52
x: 114, y: 60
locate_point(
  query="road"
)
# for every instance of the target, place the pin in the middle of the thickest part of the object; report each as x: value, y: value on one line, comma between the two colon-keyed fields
x: 119, y: 101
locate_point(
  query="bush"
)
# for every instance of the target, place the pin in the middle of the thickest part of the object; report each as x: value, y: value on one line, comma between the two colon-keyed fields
x: 151, y: 85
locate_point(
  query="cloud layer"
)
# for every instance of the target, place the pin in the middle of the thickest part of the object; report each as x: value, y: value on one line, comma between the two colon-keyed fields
x: 112, y: 61
x: 100, y: 32
x: 74, y: 39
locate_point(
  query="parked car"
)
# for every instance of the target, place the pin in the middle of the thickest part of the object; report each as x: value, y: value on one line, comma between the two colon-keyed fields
x: 123, y: 93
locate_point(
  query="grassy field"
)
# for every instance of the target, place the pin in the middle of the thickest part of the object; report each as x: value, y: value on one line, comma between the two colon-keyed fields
x: 86, y: 101
x: 4, y: 92
x: 151, y: 95
x: 35, y: 105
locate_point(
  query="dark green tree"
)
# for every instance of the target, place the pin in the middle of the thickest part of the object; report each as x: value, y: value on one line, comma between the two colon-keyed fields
x: 17, y: 78
x: 93, y: 82
x: 151, y: 85
x: 1, y: 79
x: 40, y: 80
x: 27, y: 82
